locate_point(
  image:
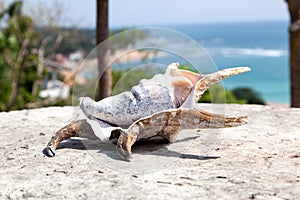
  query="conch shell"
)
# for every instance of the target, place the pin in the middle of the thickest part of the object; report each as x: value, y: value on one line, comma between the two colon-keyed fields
x: 164, y: 91
x: 161, y: 106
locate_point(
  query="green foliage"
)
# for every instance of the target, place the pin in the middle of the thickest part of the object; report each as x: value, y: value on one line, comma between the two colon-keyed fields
x: 70, y: 40
x: 75, y: 39
x: 4, y: 85
x: 125, y: 80
x: 217, y: 94
x: 18, y: 63
x: 250, y: 95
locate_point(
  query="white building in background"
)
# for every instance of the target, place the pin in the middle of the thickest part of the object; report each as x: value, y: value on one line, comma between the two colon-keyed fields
x: 55, y: 89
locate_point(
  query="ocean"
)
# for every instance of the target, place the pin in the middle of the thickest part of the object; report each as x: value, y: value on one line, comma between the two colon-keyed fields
x: 263, y: 46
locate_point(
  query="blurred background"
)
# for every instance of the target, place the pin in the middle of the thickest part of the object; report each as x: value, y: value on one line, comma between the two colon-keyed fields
x: 43, y: 43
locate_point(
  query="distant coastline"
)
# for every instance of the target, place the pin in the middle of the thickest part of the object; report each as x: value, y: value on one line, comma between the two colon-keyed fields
x: 176, y: 25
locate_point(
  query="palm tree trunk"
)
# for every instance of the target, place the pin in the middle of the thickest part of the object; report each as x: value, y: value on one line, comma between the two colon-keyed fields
x: 105, y: 81
x: 294, y: 9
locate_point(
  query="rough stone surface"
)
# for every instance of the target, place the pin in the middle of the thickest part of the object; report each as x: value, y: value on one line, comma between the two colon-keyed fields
x: 260, y: 160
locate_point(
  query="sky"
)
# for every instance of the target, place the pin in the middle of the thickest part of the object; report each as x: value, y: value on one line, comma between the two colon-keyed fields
x: 124, y: 13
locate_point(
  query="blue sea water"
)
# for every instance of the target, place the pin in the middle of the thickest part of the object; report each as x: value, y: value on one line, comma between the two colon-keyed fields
x: 263, y: 46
